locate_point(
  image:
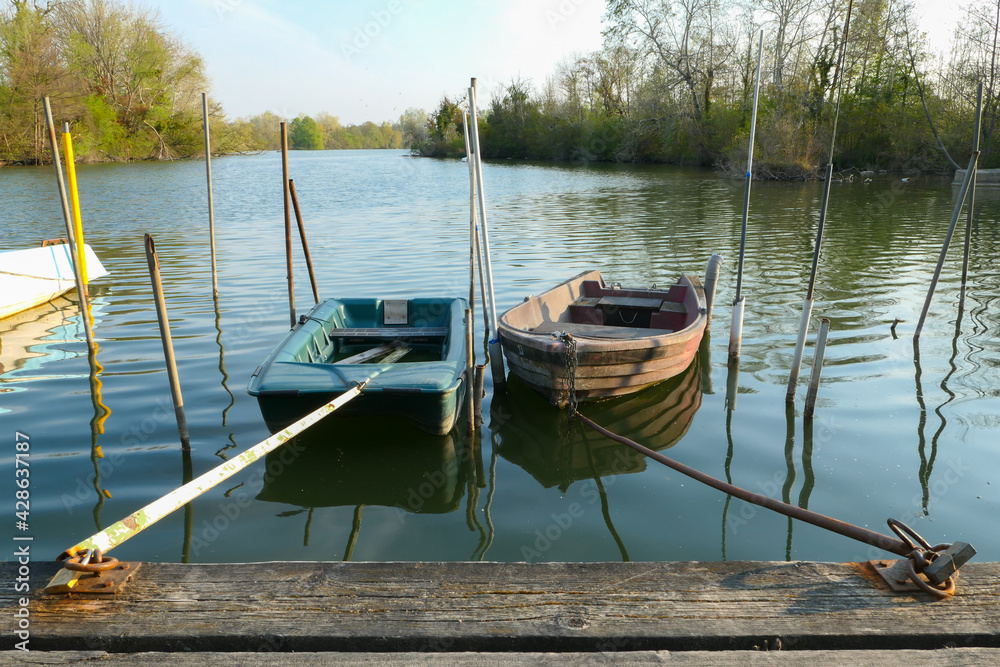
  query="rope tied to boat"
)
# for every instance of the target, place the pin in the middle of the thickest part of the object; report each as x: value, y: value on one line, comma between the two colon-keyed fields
x: 569, y: 369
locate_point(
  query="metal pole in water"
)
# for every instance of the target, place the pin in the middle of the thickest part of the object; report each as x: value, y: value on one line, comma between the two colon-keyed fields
x: 168, y: 346
x: 288, y: 223
x: 496, y: 353
x: 711, y: 281
x: 736, y: 328
x: 972, y: 193
x: 81, y: 289
x: 477, y: 250
x: 302, y: 235
x: 963, y: 192
x: 211, y: 205
x: 817, y: 368
x: 74, y: 198
x: 807, y: 304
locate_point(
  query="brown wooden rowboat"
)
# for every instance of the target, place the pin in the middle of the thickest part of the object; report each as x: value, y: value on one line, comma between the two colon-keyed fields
x: 626, y: 339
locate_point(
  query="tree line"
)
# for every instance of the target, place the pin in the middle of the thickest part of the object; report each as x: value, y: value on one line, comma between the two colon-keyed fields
x: 131, y: 90
x: 674, y: 82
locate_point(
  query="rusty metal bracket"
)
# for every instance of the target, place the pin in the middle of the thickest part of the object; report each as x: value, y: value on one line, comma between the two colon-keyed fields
x: 894, y: 573
x: 98, y: 583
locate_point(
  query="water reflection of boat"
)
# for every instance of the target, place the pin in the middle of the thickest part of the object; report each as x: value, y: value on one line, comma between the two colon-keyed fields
x: 36, y: 275
x: 557, y: 452
x: 336, y: 463
x: 40, y: 335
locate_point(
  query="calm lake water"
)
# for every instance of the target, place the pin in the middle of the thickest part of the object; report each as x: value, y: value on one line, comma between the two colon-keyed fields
x: 891, y: 438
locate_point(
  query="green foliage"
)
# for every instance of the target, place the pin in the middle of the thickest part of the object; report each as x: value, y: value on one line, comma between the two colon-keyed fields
x: 305, y: 134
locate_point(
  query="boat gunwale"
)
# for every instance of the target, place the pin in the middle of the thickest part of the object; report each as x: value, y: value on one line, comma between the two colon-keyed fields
x: 545, y: 343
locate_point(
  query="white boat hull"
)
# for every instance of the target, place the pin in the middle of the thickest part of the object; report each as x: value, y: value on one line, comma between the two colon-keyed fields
x: 36, y: 275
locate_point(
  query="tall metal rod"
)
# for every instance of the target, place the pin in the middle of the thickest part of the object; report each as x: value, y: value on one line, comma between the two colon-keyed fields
x: 168, y: 346
x: 807, y: 304
x: 817, y: 368
x: 474, y: 257
x: 736, y: 328
x: 972, y: 194
x: 211, y: 204
x: 302, y: 236
x: 288, y: 223
x: 81, y: 290
x: 472, y: 220
x: 496, y: 354
x: 963, y: 192
x: 477, y: 250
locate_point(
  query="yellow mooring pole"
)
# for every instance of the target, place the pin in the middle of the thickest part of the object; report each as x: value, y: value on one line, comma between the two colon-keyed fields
x: 74, y: 197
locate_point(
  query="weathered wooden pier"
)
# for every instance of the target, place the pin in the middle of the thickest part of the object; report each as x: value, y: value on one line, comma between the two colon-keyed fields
x: 717, y: 613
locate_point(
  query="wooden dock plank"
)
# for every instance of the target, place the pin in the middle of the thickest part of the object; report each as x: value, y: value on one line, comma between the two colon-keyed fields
x: 487, y: 607
x: 975, y: 657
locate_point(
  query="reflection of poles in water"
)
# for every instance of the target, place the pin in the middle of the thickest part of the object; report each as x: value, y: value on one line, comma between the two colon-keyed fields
x: 604, y: 504
x: 729, y: 475
x: 309, y: 520
x: 786, y: 488
x: 480, y: 553
x: 188, y: 475
x: 732, y: 385
x: 225, y: 376
x: 925, y: 479
x: 705, y: 352
x: 808, y: 477
x: 101, y: 413
x: 355, y: 529
x: 924, y: 473
x: 474, y: 481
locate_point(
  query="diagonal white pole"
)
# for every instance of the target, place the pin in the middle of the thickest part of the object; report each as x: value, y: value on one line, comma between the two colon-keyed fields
x: 138, y: 521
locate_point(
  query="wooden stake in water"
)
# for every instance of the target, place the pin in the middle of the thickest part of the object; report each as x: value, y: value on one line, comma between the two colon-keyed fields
x: 302, y: 236
x: 496, y: 353
x: 972, y: 193
x: 807, y: 304
x: 288, y: 222
x: 168, y: 346
x: 817, y: 368
x: 81, y: 288
x: 211, y: 204
x: 736, y: 328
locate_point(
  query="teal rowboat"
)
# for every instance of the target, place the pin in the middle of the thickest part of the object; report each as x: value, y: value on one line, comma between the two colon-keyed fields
x: 413, y: 350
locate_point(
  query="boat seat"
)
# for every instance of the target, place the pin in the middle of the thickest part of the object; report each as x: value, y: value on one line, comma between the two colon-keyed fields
x: 660, y: 305
x: 390, y: 333
x: 598, y: 330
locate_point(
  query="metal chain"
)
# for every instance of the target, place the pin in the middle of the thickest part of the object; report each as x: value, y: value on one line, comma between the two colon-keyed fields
x: 569, y: 371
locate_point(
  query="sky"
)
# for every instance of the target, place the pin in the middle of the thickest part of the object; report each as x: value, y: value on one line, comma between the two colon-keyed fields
x: 364, y: 60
